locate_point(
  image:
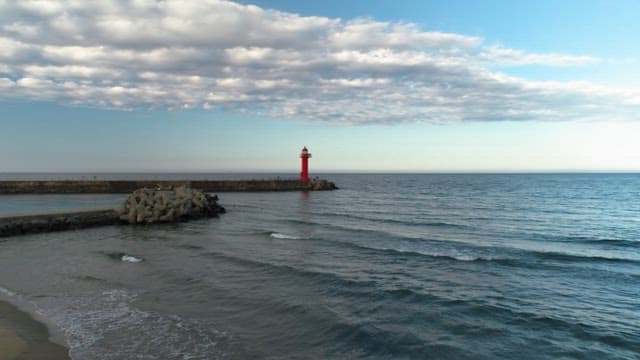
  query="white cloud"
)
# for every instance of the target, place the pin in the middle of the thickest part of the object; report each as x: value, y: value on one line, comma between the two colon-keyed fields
x: 363, y: 33
x: 504, y: 56
x: 68, y: 71
x: 22, y: 30
x: 6, y: 83
x: 44, y: 7
x: 11, y: 49
x: 214, y: 53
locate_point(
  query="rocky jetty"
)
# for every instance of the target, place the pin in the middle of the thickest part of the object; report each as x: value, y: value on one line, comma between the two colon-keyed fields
x: 148, y: 206
x: 128, y: 186
x: 42, y: 223
x: 143, y: 206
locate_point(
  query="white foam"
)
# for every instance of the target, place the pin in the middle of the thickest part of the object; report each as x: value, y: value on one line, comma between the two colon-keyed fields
x: 7, y: 292
x: 56, y: 334
x: 467, y: 257
x: 93, y: 323
x: 284, y: 236
x: 453, y: 256
x: 129, y: 258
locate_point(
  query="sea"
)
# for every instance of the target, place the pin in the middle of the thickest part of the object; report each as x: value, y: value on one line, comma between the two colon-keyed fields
x: 390, y: 266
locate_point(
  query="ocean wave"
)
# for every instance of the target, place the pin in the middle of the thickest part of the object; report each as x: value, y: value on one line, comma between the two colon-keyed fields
x: 289, y: 270
x: 444, y: 255
x: 413, y: 223
x: 552, y: 255
x: 124, y: 257
x: 613, y: 242
x: 582, y: 239
x: 130, y: 258
x: 368, y: 232
x: 588, y: 329
x: 340, y: 284
x: 276, y: 235
x: 6, y: 292
x: 506, y: 255
x: 373, y: 341
x: 88, y: 321
x: 511, y: 253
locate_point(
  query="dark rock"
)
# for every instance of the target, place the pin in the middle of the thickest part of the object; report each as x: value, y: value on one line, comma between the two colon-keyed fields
x: 147, y: 206
x: 27, y: 224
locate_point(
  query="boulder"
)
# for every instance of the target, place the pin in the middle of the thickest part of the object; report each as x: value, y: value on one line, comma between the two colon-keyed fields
x: 147, y: 206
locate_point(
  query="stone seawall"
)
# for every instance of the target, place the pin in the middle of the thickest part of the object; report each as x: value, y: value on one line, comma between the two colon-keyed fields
x: 127, y: 186
x: 28, y: 224
x: 143, y: 206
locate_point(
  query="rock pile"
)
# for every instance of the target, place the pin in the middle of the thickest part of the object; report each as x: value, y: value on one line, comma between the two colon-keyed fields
x: 147, y: 206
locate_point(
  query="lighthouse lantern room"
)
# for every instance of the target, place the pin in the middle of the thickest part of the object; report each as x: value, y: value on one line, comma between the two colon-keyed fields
x: 304, y: 174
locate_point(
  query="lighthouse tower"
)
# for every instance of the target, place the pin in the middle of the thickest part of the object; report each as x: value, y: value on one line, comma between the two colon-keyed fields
x: 304, y: 174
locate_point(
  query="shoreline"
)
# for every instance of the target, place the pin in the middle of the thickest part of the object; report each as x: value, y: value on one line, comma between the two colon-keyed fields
x: 26, y: 336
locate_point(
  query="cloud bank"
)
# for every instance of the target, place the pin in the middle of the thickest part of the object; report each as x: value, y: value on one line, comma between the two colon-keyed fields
x: 220, y: 54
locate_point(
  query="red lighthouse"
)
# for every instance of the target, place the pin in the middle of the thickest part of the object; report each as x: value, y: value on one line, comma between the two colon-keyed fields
x: 304, y: 174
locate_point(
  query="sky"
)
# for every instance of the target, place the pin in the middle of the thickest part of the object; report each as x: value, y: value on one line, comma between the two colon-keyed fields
x: 383, y: 86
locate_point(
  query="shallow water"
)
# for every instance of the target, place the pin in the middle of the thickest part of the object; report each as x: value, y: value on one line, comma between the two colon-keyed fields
x: 47, y: 203
x: 23, y: 338
x: 390, y: 266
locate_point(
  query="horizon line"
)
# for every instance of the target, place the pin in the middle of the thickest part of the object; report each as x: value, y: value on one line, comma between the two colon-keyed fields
x: 280, y: 172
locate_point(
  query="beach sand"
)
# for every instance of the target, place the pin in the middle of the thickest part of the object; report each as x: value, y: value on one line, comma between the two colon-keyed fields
x: 22, y: 338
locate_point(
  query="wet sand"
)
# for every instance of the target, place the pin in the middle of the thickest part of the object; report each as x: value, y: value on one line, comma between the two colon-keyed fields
x: 22, y: 338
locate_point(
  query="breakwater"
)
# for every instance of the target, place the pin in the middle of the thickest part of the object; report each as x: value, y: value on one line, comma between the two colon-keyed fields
x: 29, y: 224
x: 128, y: 186
x: 143, y: 206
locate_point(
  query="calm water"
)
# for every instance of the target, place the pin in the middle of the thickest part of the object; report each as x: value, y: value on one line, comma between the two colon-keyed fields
x: 390, y: 266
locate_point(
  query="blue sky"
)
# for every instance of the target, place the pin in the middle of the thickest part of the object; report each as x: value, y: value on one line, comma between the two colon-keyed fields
x: 418, y: 86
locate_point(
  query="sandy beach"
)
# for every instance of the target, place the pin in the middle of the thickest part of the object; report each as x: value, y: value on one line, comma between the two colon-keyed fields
x: 23, y: 338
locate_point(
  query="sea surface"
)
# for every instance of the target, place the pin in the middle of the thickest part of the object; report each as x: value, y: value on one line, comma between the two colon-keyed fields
x: 429, y: 266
